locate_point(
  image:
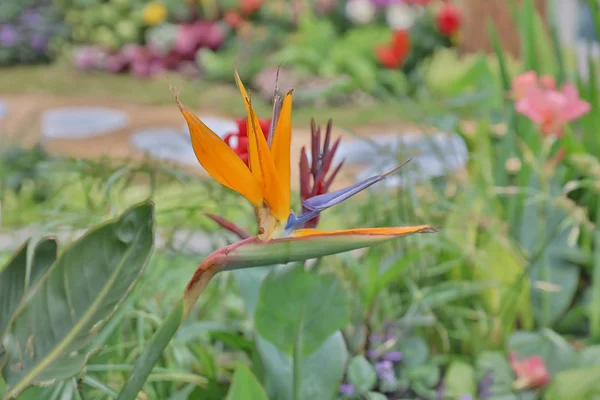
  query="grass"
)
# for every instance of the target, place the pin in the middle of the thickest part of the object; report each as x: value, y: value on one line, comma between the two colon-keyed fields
x: 61, y: 79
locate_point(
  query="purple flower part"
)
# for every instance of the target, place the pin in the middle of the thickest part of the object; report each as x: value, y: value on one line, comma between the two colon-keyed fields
x: 466, y: 397
x: 324, y: 201
x: 132, y: 52
x: 383, y: 3
x: 373, y: 354
x: 88, y: 57
x: 484, y: 386
x: 115, y: 63
x: 38, y: 42
x: 393, y: 356
x: 31, y: 18
x: 319, y: 203
x: 347, y: 388
x: 8, y: 35
x: 375, y: 337
x: 385, y: 370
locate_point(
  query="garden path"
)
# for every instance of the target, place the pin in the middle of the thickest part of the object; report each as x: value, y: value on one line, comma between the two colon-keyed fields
x: 24, y: 117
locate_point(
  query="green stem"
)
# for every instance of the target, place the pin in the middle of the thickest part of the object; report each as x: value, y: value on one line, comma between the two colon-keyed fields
x: 543, y: 212
x: 152, y: 352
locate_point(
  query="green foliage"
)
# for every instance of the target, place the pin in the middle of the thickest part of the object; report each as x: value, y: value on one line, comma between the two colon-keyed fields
x: 49, y: 334
x: 310, y: 308
x: 245, y: 385
x: 314, y: 377
x: 460, y: 380
x: 361, y: 374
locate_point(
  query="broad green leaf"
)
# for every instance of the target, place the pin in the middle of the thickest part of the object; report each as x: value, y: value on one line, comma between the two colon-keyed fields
x: 19, y: 275
x: 83, y: 289
x: 590, y: 357
x: 460, y: 380
x: 245, y: 386
x: 376, y: 396
x: 414, y: 351
x: 575, y: 384
x: 294, y: 303
x: 362, y: 374
x: 557, y: 354
x: 494, y: 365
x: 322, y: 371
x: 544, y: 233
x: 248, y: 283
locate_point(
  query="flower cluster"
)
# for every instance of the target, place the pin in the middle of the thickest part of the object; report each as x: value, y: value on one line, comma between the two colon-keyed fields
x: 27, y: 36
x: 539, y: 99
x: 168, y: 47
x: 418, y: 27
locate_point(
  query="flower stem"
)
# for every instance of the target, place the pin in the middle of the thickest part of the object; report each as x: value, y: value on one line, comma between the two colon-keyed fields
x: 152, y: 352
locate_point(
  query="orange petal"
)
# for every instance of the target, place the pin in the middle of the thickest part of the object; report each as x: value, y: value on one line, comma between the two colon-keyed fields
x: 220, y: 161
x: 275, y: 196
x: 392, y: 231
x: 280, y: 149
x: 253, y: 158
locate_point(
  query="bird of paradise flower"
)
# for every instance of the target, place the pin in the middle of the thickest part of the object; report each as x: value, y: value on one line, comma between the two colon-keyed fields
x: 265, y: 183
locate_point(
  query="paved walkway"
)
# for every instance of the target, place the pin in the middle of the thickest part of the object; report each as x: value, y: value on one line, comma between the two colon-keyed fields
x: 24, y: 116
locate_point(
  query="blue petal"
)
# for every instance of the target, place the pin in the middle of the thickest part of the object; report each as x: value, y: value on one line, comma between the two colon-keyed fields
x: 324, y: 201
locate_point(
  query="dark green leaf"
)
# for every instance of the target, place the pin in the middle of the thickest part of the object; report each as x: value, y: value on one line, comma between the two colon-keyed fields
x: 245, y: 386
x: 248, y: 283
x: 82, y: 290
x: 496, y: 366
x: 362, y: 374
x: 414, y: 351
x: 322, y: 371
x: 18, y: 276
x: 294, y: 302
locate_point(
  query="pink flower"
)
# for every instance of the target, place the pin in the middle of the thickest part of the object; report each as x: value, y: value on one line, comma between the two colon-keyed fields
x: 551, y: 108
x: 531, y: 372
x: 522, y: 84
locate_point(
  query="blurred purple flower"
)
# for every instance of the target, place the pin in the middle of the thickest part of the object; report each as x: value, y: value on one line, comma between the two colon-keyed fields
x: 141, y: 68
x: 385, y: 370
x: 484, y: 387
x: 38, y: 42
x: 383, y: 3
x: 31, y: 18
x: 132, y: 52
x: 375, y: 337
x: 88, y: 57
x: 393, y: 356
x: 115, y: 63
x: 157, y: 66
x: 466, y: 397
x: 8, y: 35
x: 347, y: 388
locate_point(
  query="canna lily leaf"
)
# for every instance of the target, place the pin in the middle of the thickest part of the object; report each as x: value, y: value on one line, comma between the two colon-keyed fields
x: 82, y: 289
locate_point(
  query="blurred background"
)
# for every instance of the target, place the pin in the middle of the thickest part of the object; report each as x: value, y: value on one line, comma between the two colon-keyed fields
x: 495, y: 101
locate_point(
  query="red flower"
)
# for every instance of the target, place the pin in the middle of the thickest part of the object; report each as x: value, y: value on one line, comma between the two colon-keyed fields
x: 394, y: 55
x: 238, y: 141
x: 531, y: 372
x: 448, y: 19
